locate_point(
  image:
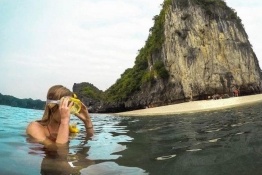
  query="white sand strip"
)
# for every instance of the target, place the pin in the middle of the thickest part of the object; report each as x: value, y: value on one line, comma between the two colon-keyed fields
x: 194, y: 106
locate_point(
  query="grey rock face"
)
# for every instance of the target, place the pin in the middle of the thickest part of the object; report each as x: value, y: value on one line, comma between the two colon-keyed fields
x: 208, y: 56
x: 204, y: 55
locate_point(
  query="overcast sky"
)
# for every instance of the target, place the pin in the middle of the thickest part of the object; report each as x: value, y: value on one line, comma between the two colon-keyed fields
x: 48, y: 42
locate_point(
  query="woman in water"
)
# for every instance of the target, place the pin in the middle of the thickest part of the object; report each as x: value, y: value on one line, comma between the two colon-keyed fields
x: 53, y: 129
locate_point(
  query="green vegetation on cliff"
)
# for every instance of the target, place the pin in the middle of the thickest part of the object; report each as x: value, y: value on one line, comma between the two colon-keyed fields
x: 145, y: 69
x: 133, y: 78
x: 149, y: 66
x: 89, y: 90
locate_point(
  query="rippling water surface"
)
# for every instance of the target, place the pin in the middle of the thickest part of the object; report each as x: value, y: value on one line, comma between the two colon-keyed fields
x: 209, y: 143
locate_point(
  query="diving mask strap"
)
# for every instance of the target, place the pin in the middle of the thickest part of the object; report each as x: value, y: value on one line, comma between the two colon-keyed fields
x: 52, y: 101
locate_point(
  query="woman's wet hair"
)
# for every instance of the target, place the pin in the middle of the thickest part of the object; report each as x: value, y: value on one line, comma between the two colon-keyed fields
x: 54, y: 93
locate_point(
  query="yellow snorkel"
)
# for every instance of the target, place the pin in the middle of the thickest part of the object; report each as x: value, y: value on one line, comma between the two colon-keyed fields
x: 73, y: 128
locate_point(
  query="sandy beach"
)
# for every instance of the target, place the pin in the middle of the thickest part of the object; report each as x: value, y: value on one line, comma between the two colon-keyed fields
x: 195, y: 106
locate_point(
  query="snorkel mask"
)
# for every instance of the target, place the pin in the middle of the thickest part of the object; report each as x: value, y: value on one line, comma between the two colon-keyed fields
x: 76, y: 107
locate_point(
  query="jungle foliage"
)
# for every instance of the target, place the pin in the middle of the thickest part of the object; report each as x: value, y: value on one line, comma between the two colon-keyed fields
x: 22, y: 103
x: 89, y: 90
x: 133, y: 78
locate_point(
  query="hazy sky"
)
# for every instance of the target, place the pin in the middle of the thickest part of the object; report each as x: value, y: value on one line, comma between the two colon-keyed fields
x: 48, y: 42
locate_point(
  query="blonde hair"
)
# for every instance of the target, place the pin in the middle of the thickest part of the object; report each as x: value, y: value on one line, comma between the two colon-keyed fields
x: 54, y: 93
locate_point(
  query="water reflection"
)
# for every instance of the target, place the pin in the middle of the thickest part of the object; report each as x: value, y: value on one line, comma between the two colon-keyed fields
x: 111, y: 168
x: 218, y: 142
x: 89, y: 155
x: 61, y: 161
x: 109, y: 140
x: 221, y: 142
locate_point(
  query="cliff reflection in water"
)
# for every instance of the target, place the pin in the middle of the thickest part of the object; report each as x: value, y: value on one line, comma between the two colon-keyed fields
x: 209, y: 143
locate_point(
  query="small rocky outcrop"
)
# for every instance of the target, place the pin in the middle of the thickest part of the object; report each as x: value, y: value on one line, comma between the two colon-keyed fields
x: 89, y: 95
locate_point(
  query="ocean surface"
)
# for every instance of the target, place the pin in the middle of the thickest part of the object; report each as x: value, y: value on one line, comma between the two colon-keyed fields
x: 223, y: 142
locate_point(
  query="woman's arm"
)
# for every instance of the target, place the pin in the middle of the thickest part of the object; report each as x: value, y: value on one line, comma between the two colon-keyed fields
x: 85, y: 117
x: 89, y: 126
x: 63, y: 131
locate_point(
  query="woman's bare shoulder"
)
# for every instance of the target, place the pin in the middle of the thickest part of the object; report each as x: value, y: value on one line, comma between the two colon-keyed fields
x: 37, y: 132
x: 34, y: 125
x: 35, y: 128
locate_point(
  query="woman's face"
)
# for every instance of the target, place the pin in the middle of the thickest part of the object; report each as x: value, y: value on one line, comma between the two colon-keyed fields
x: 56, y: 114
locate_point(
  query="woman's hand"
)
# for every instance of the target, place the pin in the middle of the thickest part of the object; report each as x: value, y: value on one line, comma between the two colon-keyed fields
x: 64, y: 110
x: 63, y: 130
x: 84, y: 116
x: 83, y: 113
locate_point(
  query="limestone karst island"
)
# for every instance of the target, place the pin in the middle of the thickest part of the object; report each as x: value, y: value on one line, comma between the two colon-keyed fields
x: 196, y: 50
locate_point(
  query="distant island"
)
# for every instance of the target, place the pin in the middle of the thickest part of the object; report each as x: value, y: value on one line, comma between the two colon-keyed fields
x: 21, y: 103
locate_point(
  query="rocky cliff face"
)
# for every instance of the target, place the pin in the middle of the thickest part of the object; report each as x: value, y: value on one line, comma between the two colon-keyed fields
x: 206, y: 51
x: 208, y: 55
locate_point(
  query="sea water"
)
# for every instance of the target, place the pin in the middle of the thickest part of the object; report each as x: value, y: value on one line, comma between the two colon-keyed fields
x: 222, y: 142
